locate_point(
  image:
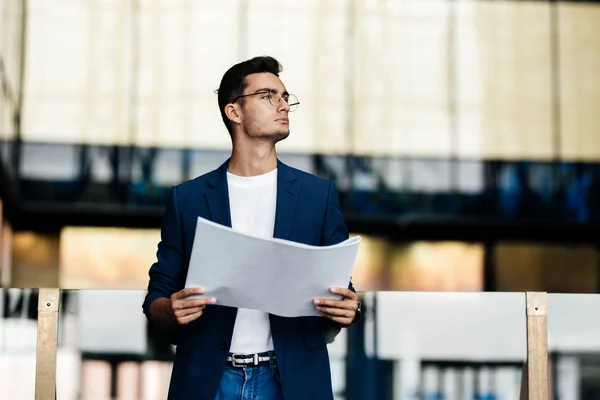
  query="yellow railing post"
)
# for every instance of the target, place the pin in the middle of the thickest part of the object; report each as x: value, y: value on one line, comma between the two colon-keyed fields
x: 47, y: 344
x: 534, y: 380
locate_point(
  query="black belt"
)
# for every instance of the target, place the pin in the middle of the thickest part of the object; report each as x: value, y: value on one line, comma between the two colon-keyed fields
x: 250, y: 360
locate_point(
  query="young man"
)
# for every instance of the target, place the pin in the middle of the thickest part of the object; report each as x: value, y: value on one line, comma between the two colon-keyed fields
x: 229, y: 353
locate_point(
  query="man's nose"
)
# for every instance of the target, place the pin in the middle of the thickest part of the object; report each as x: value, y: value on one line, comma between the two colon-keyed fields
x: 283, y: 105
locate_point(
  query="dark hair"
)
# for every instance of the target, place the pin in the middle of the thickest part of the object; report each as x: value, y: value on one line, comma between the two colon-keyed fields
x: 234, y: 82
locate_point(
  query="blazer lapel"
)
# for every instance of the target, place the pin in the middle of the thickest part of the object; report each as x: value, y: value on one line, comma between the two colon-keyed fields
x: 287, y: 199
x: 217, y: 197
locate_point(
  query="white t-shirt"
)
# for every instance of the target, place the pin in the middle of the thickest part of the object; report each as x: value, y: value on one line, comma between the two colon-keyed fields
x: 252, y: 202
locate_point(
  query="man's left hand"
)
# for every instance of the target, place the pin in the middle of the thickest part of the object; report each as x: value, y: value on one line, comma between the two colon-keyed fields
x: 341, y: 311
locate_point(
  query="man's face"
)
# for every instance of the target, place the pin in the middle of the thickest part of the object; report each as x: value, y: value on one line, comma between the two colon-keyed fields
x: 265, y: 115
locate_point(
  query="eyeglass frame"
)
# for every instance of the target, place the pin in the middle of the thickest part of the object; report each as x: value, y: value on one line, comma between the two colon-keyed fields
x: 270, y: 92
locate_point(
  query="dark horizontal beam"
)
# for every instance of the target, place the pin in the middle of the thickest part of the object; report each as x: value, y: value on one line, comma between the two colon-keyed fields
x: 507, y: 200
x: 53, y: 219
x: 473, y: 230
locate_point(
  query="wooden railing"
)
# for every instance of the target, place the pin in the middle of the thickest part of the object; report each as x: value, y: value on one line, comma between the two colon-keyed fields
x: 534, y: 382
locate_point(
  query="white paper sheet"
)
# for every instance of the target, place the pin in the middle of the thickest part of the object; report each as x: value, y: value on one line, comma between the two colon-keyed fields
x: 271, y: 275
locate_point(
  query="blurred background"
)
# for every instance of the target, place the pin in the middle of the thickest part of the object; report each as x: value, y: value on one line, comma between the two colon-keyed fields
x: 463, y: 135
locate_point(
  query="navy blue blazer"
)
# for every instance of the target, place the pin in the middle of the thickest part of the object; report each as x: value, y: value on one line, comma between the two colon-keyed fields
x: 308, y: 211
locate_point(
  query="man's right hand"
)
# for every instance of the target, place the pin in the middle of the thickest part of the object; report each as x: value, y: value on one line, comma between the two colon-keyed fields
x: 185, y: 311
x: 171, y: 313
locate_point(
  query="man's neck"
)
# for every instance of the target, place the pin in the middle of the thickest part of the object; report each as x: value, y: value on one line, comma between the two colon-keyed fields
x: 252, y: 160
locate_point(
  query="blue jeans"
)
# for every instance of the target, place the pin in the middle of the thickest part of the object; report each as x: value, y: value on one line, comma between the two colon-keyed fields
x: 250, y: 383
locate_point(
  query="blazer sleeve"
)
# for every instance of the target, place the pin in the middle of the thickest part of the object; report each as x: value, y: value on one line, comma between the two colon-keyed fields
x: 167, y: 274
x: 334, y: 232
x: 334, y: 228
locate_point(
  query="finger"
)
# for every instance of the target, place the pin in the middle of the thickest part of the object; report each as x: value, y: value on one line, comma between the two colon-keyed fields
x: 335, y: 312
x: 340, y: 320
x: 347, y: 293
x: 345, y: 304
x: 189, y: 318
x: 187, y: 311
x: 182, y: 294
x: 182, y: 304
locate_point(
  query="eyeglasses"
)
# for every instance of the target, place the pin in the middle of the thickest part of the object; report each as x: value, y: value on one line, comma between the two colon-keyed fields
x: 275, y: 100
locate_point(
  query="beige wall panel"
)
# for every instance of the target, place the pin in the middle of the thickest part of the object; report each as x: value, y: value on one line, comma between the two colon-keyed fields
x: 308, y: 38
x: 185, y: 47
x: 505, y: 74
x: 371, y: 263
x: 401, y: 60
x: 82, y: 84
x: 106, y: 258
x: 384, y: 90
x: 546, y: 267
x: 77, y: 65
x: 10, y: 52
x: 579, y: 29
x: 436, y: 266
x: 35, y: 260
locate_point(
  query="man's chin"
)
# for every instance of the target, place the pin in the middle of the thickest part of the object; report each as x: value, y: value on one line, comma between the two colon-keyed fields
x: 279, y: 136
x: 273, y: 137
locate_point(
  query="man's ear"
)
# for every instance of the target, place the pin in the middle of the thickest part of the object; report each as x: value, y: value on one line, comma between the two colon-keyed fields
x: 232, y: 113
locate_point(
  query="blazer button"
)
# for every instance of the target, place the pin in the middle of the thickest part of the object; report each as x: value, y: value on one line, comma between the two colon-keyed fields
x: 224, y: 345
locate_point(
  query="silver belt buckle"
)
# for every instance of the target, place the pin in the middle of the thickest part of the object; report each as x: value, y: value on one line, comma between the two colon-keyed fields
x: 234, y: 362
